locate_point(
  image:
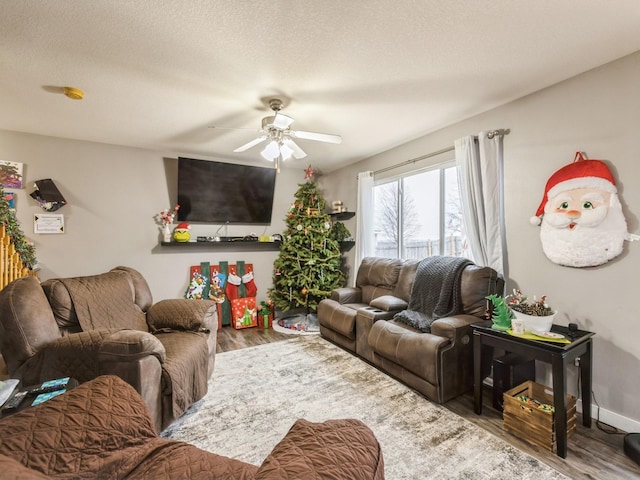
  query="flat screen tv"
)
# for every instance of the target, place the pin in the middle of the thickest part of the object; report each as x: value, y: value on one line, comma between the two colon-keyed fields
x: 218, y: 192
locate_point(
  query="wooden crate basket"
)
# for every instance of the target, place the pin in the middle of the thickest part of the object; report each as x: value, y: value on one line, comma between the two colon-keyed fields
x: 531, y: 423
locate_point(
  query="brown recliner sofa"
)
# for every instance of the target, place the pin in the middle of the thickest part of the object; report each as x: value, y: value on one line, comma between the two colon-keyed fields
x: 84, y: 327
x: 438, y: 364
x: 102, y: 429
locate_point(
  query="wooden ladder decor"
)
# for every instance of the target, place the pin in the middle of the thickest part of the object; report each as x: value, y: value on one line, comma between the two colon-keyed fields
x: 11, y: 267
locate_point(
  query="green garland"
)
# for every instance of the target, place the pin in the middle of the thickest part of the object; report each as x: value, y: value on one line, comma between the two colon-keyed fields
x: 25, y: 250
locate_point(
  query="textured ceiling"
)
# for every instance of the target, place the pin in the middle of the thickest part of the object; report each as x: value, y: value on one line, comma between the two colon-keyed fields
x: 157, y: 74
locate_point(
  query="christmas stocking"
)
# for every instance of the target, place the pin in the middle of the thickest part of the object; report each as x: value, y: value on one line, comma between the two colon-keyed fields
x: 232, y: 287
x: 249, y: 284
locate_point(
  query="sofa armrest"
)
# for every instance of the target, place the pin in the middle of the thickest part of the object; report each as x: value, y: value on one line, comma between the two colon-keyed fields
x: 389, y: 303
x: 344, y: 448
x: 130, y: 345
x: 347, y: 295
x: 74, y: 355
x: 183, y: 314
x: 453, y: 327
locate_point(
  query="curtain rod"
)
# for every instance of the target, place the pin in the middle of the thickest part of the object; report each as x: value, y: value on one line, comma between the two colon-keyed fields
x: 491, y: 134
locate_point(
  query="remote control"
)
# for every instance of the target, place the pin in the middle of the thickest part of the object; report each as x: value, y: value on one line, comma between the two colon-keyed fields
x: 50, y: 386
x: 15, y: 401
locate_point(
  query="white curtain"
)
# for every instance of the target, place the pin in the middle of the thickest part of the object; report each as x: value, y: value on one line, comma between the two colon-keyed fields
x: 480, y: 178
x: 365, y: 241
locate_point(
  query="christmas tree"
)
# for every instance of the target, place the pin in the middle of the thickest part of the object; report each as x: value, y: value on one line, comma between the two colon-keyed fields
x: 24, y: 249
x: 308, y: 266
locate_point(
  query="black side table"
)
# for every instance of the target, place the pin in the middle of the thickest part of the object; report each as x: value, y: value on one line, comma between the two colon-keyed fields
x: 559, y: 355
x: 28, y: 400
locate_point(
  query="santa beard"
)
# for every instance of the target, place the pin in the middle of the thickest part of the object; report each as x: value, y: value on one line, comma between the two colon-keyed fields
x: 588, y: 243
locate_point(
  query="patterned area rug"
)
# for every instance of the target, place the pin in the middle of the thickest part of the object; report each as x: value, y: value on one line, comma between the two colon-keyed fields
x: 256, y: 394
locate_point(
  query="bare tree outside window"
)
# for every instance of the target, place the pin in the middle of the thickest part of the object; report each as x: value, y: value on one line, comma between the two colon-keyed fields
x: 420, y: 215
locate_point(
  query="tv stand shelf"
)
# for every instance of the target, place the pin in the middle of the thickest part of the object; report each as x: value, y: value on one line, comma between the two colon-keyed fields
x: 243, y: 246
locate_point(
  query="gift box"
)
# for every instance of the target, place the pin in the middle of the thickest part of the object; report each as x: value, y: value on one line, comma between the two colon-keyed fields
x: 244, y: 313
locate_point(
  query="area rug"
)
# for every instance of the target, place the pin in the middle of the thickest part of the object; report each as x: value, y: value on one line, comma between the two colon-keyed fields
x: 257, y: 393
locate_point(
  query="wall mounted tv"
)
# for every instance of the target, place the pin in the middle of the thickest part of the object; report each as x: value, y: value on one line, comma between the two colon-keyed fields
x: 218, y: 192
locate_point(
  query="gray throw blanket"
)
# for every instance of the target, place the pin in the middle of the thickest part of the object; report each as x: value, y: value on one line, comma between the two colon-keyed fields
x: 435, y: 292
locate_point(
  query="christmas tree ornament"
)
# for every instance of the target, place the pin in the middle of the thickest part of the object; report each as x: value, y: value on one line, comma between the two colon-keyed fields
x: 309, y: 172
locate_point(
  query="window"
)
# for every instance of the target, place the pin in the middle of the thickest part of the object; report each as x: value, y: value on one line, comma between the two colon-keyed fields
x: 420, y: 215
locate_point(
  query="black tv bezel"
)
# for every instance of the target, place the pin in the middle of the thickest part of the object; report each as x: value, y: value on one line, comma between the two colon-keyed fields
x: 243, y: 175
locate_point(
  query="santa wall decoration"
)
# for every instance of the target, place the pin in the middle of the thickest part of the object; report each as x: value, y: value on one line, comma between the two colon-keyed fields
x: 580, y: 216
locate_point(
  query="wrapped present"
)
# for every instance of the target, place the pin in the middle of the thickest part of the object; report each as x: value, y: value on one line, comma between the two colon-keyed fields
x: 244, y: 313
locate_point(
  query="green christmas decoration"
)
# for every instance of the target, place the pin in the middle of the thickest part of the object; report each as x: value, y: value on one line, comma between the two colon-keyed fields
x: 25, y: 250
x: 308, y: 267
x: 502, y: 314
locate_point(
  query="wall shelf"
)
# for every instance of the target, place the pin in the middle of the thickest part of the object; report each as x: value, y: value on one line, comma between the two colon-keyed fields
x: 342, y: 215
x: 346, y: 245
x: 242, y: 246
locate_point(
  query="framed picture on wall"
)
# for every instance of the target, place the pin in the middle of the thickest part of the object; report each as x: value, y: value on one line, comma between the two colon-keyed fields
x: 10, y: 174
x: 48, y: 223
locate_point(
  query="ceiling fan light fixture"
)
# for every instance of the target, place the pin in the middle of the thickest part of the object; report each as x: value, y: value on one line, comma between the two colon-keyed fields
x: 271, y: 151
x: 285, y: 152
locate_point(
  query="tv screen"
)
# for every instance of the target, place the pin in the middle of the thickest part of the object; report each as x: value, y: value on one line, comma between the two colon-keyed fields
x: 218, y: 192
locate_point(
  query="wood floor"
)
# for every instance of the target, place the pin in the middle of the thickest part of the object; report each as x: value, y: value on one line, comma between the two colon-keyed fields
x: 593, y: 454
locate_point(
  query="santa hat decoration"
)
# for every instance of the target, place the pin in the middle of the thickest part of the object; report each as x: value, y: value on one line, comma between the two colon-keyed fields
x: 582, y: 173
x: 183, y: 226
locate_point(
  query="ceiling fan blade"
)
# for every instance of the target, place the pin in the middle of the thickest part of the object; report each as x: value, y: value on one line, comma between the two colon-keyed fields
x: 252, y: 143
x: 282, y: 121
x: 320, y: 137
x: 236, y: 128
x: 297, y: 151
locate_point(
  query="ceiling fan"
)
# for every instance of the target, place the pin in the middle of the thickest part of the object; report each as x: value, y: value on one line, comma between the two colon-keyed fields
x: 276, y: 129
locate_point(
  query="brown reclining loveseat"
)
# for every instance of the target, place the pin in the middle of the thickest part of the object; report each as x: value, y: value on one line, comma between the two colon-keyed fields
x: 84, y: 327
x: 438, y: 364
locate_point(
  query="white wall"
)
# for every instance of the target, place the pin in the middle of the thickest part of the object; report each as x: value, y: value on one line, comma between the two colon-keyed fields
x: 599, y: 113
x: 113, y: 194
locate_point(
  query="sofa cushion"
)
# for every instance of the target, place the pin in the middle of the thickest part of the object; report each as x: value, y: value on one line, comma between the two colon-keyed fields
x: 339, y: 318
x: 141, y: 290
x: 185, y: 369
x: 476, y: 283
x: 376, y: 273
x: 96, y: 301
x: 413, y: 350
x: 405, y: 279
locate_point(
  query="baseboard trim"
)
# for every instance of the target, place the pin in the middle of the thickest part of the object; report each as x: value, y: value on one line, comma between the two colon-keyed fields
x: 611, y: 418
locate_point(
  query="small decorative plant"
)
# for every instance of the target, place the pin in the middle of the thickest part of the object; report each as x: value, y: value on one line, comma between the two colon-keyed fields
x: 536, y: 307
x: 501, y: 314
x: 165, y: 217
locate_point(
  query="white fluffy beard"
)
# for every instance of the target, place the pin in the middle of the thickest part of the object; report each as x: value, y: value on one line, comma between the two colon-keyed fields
x: 586, y: 245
